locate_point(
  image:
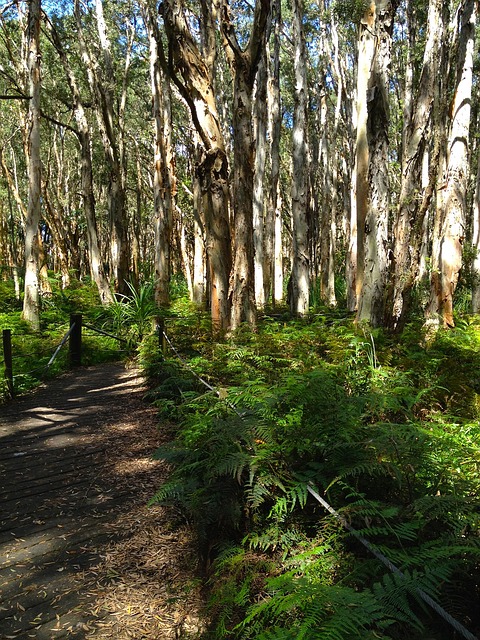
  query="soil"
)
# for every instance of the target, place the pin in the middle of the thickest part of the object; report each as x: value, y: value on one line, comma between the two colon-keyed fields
x: 82, y: 555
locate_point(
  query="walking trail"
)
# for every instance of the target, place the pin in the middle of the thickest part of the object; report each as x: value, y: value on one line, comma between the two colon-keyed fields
x: 81, y: 553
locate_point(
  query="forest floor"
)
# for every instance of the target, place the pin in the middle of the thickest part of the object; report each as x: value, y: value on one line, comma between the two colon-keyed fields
x: 81, y: 553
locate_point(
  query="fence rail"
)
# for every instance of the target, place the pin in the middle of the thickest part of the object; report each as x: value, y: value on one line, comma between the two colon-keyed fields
x: 74, y: 338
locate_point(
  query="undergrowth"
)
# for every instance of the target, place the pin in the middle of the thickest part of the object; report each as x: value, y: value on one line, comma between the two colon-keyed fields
x: 387, y: 432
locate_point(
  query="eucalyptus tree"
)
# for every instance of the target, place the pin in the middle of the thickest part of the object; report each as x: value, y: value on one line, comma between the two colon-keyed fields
x: 260, y: 119
x: 243, y: 63
x: 82, y: 132
x: 104, y: 76
x: 451, y: 218
x: 191, y: 68
x: 273, y: 244
x: 164, y: 179
x: 372, y: 187
x: 31, y: 301
x: 299, y: 285
x: 418, y: 145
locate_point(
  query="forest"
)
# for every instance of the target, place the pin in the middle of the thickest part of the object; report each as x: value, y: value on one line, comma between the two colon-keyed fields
x: 293, y: 187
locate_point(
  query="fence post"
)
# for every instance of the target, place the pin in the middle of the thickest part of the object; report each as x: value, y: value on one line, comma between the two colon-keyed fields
x: 75, y: 340
x: 7, y: 356
x: 162, y: 343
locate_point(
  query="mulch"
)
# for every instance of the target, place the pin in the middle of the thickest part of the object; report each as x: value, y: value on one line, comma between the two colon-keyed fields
x: 82, y: 555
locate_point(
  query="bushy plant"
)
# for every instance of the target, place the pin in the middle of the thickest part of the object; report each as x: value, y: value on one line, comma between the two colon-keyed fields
x: 381, y: 428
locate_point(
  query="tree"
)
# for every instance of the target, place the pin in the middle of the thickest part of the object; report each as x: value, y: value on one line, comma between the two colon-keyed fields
x: 86, y: 171
x: 414, y: 199
x: 164, y: 180
x: 110, y: 114
x: 192, y: 72
x: 372, y: 162
x: 451, y: 213
x: 299, y: 285
x: 31, y: 301
x: 244, y: 63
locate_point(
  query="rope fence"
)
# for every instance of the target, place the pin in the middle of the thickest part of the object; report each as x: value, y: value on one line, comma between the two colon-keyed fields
x: 463, y: 631
x: 74, y: 338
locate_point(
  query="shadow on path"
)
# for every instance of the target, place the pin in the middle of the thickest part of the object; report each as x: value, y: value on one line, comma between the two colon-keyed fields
x: 59, y: 449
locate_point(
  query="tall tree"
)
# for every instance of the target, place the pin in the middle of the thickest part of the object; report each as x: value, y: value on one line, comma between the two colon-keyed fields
x: 372, y: 179
x: 243, y: 63
x: 86, y: 171
x: 451, y: 213
x: 110, y: 113
x: 414, y: 199
x: 192, y: 72
x: 299, y: 285
x: 31, y: 302
x: 273, y: 244
x: 164, y: 179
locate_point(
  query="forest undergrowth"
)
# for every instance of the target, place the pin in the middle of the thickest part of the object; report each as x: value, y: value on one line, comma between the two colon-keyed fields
x: 385, y: 428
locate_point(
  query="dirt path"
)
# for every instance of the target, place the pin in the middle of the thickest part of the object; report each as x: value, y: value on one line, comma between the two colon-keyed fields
x: 81, y: 555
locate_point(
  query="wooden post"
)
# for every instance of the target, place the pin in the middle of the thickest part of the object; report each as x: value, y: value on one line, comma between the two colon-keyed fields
x: 75, y: 340
x: 162, y: 343
x: 7, y: 356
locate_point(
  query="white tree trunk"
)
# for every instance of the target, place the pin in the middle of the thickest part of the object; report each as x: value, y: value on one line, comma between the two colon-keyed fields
x: 31, y: 302
x: 375, y: 208
x: 299, y: 289
x: 447, y: 256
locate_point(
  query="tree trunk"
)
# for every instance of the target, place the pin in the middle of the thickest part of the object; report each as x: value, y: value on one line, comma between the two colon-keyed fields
x: 86, y: 176
x: 31, y: 301
x: 448, y: 247
x: 164, y: 174
x: 273, y: 246
x: 299, y: 286
x: 260, y: 137
x: 244, y: 64
x: 373, y: 206
x: 476, y: 244
x: 196, y: 87
x: 199, y: 267
x: 413, y: 200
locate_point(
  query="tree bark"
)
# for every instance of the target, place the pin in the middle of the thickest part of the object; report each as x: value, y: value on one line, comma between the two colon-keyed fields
x: 299, y: 286
x: 448, y: 246
x: 259, y: 222
x: 196, y: 87
x: 86, y: 175
x: 373, y: 206
x: 273, y: 246
x: 164, y: 181
x: 413, y: 200
x: 243, y: 64
x: 31, y: 301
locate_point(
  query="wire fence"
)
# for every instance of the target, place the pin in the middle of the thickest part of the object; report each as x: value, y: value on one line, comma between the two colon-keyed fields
x: 463, y: 631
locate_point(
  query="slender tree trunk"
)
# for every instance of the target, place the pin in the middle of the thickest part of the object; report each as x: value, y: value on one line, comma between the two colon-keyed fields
x: 260, y: 137
x: 164, y: 175
x: 86, y: 176
x: 274, y: 229
x: 373, y: 208
x: 31, y: 302
x: 199, y: 267
x: 448, y: 247
x: 366, y: 52
x: 299, y: 288
x: 476, y: 243
x: 244, y: 64
x: 413, y: 201
x: 196, y: 87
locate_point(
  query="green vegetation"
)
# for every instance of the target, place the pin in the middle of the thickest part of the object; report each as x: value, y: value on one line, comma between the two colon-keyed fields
x: 385, y: 428
x: 387, y: 431
x: 127, y: 319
